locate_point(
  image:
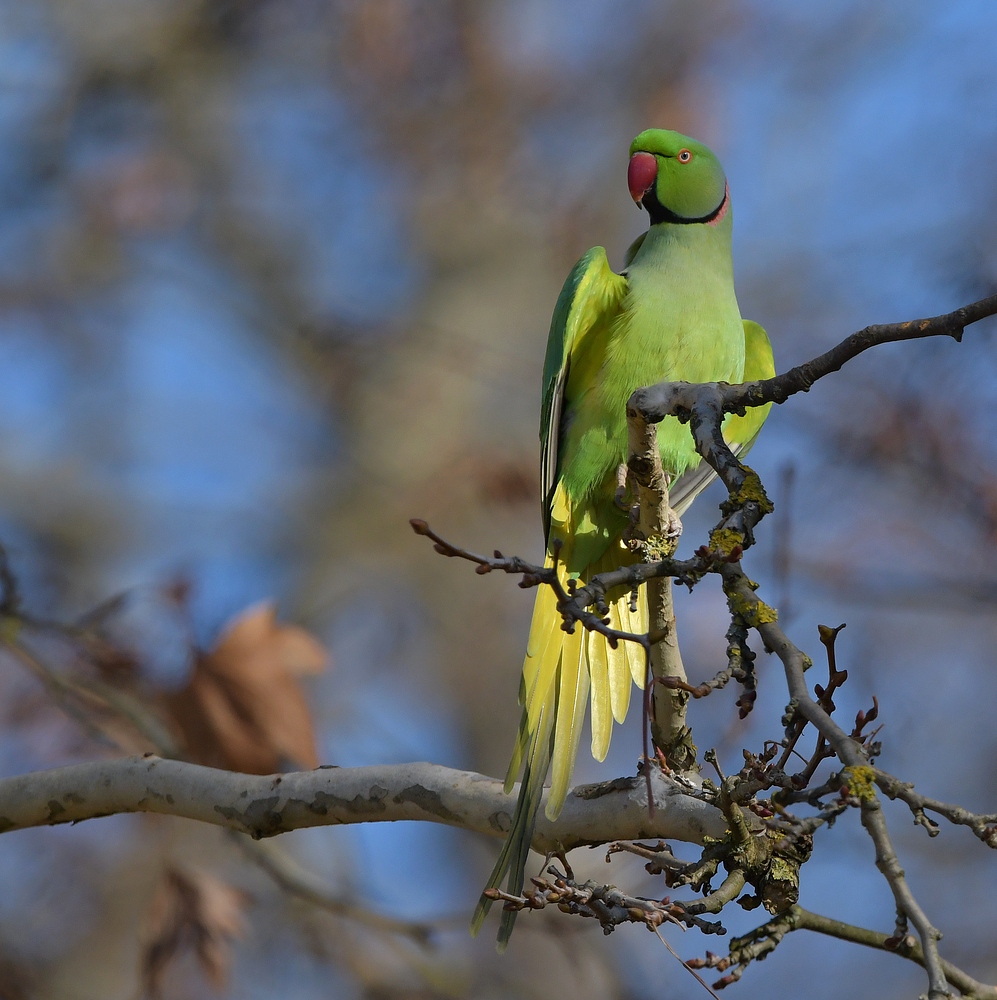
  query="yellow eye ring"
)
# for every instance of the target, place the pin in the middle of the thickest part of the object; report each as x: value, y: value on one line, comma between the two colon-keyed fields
x: 685, y: 155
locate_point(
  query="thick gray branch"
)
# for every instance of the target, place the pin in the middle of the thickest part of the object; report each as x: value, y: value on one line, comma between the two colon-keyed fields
x: 265, y: 806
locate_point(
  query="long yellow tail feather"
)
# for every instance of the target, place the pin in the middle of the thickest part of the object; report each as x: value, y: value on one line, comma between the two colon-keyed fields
x: 635, y: 622
x: 619, y: 668
x: 561, y: 673
x: 572, y: 698
x: 602, y: 719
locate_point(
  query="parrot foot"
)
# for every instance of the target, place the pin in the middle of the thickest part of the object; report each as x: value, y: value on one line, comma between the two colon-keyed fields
x: 623, y: 498
x: 674, y: 530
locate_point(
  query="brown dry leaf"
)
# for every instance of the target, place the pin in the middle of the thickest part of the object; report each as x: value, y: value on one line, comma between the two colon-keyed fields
x: 244, y: 709
x: 508, y: 481
x: 191, y: 910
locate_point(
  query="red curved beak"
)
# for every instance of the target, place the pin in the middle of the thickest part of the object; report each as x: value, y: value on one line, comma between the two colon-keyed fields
x: 641, y: 175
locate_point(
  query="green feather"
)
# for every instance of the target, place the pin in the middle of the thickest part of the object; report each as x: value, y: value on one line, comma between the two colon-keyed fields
x: 591, y: 292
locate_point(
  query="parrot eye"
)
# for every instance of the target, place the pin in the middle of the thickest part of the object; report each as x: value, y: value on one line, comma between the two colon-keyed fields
x: 685, y: 155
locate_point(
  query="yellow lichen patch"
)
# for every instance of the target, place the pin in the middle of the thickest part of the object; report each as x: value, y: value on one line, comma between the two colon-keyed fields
x: 752, y: 612
x: 861, y: 781
x: 781, y: 888
x: 752, y: 490
x: 725, y: 540
x: 658, y: 547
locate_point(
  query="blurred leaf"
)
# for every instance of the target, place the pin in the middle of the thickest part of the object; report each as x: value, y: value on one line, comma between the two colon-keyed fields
x: 508, y: 481
x: 244, y: 708
x: 191, y: 910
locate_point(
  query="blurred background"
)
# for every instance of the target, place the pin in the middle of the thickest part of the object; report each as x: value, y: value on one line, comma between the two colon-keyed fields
x: 276, y: 275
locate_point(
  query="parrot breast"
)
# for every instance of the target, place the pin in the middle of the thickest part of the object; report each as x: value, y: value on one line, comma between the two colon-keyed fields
x: 679, y: 322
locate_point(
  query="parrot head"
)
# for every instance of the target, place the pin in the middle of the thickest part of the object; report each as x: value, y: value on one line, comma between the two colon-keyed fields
x: 677, y: 179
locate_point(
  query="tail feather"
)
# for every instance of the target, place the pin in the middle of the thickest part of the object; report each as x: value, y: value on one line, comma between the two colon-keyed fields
x: 544, y: 612
x: 619, y: 668
x: 545, y: 667
x: 539, y: 673
x: 518, y: 753
x: 562, y: 672
x: 515, y: 852
x: 572, y: 698
x: 602, y: 719
x: 636, y: 623
x: 545, y: 679
x: 543, y: 631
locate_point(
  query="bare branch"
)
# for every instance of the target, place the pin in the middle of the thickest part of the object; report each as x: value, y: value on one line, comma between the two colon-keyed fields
x: 983, y: 825
x: 907, y: 947
x: 285, y: 871
x: 762, y: 941
x: 851, y: 753
x: 656, y: 535
x: 703, y: 407
x: 605, y: 903
x: 328, y: 796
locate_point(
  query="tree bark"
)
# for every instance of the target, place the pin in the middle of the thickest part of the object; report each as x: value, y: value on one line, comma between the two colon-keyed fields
x: 329, y: 796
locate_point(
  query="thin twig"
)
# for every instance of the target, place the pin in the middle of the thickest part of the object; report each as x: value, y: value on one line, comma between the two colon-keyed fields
x: 983, y: 825
x: 685, y: 965
x: 762, y: 941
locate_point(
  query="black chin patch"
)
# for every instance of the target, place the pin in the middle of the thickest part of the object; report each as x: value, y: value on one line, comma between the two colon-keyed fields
x: 659, y: 213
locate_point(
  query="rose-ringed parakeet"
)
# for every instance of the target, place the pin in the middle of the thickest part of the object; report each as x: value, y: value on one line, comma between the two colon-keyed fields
x: 670, y: 315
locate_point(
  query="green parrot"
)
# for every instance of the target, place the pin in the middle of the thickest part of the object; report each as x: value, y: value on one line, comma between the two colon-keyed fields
x: 670, y: 315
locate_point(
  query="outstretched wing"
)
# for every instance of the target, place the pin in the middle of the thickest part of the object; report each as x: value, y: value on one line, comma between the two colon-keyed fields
x: 739, y: 432
x: 591, y: 290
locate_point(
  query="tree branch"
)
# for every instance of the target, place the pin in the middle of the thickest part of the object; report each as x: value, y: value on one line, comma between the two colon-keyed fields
x: 984, y: 826
x: 762, y: 941
x: 906, y: 948
x: 329, y: 796
x: 658, y: 531
x: 282, y: 867
x: 851, y: 753
x: 703, y: 407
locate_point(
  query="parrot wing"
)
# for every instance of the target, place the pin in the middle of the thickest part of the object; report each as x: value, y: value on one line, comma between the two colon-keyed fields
x: 739, y: 432
x: 591, y: 290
